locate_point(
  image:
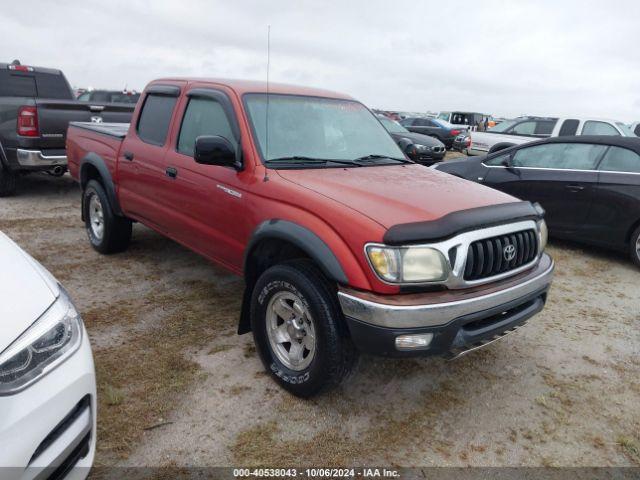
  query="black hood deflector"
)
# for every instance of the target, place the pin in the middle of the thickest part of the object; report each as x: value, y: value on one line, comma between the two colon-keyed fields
x: 462, y: 221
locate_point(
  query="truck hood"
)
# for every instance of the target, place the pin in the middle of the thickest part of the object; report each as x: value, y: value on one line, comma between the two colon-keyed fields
x: 26, y: 291
x: 395, y: 194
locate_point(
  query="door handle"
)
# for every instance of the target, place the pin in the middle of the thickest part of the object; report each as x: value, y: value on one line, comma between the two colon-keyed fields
x: 575, y: 188
x: 171, y: 172
x: 128, y: 156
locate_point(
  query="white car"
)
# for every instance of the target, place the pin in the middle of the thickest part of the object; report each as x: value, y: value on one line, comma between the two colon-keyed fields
x: 527, y: 129
x: 47, y: 377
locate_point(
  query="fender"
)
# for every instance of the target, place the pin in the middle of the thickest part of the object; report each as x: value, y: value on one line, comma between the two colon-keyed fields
x: 301, y: 237
x: 304, y: 239
x: 96, y: 161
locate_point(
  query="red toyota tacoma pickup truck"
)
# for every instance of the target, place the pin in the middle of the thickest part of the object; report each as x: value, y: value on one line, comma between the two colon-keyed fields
x: 345, y: 245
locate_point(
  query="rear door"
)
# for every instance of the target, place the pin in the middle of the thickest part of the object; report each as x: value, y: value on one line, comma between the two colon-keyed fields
x: 142, y: 179
x: 206, y: 199
x: 562, y: 177
x: 616, y: 206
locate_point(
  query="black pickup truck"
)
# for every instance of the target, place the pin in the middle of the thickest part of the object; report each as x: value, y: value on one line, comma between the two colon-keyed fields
x: 36, y: 106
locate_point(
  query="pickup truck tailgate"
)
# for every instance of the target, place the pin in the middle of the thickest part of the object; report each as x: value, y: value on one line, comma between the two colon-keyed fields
x: 54, y: 117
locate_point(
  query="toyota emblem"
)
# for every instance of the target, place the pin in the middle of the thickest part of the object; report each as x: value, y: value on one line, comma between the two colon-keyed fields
x: 509, y: 252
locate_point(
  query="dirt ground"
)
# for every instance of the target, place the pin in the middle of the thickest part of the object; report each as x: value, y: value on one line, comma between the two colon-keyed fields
x: 178, y: 387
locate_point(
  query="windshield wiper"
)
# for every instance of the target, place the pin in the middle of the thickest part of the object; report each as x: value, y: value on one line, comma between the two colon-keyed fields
x: 373, y: 157
x: 302, y: 160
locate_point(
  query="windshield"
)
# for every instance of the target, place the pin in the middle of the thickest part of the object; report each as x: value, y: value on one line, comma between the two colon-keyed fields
x: 625, y: 130
x: 391, y: 126
x: 317, y: 128
x: 502, y: 126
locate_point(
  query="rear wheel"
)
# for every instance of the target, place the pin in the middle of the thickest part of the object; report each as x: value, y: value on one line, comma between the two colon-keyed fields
x: 298, y: 329
x: 634, y: 247
x: 8, y: 180
x: 108, y: 233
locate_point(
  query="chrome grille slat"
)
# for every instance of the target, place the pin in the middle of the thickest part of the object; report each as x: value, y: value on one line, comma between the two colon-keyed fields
x: 487, y: 257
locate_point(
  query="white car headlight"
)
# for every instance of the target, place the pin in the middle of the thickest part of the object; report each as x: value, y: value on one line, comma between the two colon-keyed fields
x: 544, y: 234
x: 407, y: 264
x: 54, y: 337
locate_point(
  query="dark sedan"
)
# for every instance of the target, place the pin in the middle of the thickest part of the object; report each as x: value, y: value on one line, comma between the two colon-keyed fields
x: 419, y: 148
x: 440, y: 129
x: 589, y: 185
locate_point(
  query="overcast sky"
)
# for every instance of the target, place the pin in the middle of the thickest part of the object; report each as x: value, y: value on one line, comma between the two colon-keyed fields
x: 505, y: 58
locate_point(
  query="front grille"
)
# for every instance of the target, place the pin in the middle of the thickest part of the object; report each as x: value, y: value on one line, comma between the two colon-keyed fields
x: 492, y: 256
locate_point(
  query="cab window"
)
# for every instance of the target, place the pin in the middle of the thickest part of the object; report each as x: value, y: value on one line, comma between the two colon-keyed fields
x: 203, y: 116
x: 599, y: 128
x: 155, y: 118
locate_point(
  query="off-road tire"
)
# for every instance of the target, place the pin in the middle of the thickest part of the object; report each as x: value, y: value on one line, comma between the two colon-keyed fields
x: 634, y: 246
x: 116, y: 234
x: 8, y: 181
x: 335, y: 355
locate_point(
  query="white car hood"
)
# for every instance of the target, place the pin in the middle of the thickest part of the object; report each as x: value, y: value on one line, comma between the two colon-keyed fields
x: 26, y: 291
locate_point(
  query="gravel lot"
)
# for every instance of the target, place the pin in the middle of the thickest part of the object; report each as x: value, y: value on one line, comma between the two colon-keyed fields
x: 178, y: 387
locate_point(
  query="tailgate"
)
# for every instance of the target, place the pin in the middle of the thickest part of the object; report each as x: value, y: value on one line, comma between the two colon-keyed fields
x: 54, y: 117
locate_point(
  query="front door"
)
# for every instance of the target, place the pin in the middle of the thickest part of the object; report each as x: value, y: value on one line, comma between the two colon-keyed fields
x: 560, y: 176
x: 207, y: 199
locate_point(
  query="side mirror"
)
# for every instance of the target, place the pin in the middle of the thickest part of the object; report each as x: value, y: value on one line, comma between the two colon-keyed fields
x: 407, y: 147
x: 215, y: 150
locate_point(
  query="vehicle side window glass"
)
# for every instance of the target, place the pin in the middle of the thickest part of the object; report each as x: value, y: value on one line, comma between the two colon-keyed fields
x: 569, y: 127
x: 422, y: 122
x: 498, y: 161
x: 203, y: 116
x: 599, y: 128
x: 620, y: 160
x: 637, y: 130
x: 544, y: 127
x: 53, y: 86
x: 85, y: 97
x: 17, y: 85
x: 562, y: 156
x: 155, y: 118
x: 524, y: 128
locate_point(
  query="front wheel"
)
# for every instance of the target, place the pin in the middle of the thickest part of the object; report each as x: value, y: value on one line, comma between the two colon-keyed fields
x: 634, y: 247
x: 298, y: 329
x: 107, y: 232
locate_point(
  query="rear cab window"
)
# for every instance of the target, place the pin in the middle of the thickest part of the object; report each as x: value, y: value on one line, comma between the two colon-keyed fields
x: 34, y: 84
x: 155, y: 118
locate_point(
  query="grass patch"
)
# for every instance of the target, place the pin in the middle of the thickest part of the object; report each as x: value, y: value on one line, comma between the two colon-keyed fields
x: 141, y: 380
x: 266, y: 445
x: 630, y: 447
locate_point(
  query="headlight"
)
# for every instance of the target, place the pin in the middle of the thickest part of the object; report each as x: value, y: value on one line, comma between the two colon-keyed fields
x: 422, y: 148
x: 54, y: 337
x: 544, y: 234
x: 407, y: 264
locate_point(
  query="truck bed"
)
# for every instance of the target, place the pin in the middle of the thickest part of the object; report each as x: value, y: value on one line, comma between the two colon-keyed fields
x: 118, y: 130
x: 83, y: 138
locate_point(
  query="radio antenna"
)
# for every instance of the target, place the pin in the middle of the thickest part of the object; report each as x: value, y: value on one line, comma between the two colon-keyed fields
x: 266, y: 120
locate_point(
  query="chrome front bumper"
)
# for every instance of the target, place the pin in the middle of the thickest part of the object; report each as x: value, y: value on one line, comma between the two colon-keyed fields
x: 35, y: 158
x: 398, y: 316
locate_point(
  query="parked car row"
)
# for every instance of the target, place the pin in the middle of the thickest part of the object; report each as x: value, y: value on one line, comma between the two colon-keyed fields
x: 526, y: 129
